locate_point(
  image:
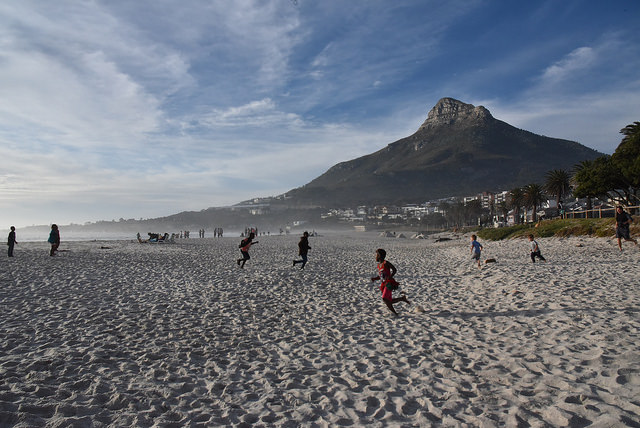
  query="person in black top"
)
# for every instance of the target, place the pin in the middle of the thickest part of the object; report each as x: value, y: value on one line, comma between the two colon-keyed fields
x: 623, y: 220
x: 303, y: 249
x: 54, y: 239
x: 244, y: 246
x: 12, y: 240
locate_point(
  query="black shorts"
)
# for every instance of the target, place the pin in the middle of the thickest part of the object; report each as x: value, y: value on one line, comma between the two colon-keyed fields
x: 245, y: 255
x: 622, y: 232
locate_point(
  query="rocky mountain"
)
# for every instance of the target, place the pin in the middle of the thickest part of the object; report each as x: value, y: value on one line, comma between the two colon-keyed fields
x: 459, y: 150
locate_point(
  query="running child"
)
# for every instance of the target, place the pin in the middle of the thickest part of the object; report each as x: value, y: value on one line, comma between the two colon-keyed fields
x: 476, y: 248
x: 303, y: 249
x: 623, y: 220
x: 535, y: 250
x: 387, y: 271
x: 244, y: 246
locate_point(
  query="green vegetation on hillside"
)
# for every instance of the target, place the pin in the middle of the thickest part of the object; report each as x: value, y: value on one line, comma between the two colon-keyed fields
x: 600, y: 227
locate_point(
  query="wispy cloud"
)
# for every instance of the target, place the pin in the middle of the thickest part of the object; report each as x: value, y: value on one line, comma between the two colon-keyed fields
x: 587, y: 95
x: 260, y: 113
x: 579, y: 59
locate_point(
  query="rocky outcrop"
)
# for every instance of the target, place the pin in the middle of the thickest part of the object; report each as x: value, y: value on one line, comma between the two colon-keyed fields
x: 449, y: 111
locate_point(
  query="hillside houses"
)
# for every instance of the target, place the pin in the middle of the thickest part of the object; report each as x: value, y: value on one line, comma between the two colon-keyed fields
x: 404, y: 213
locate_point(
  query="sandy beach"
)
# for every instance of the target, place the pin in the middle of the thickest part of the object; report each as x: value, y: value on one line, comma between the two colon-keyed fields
x: 126, y: 334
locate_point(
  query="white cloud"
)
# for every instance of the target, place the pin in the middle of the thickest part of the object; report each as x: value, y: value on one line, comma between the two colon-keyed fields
x: 256, y: 113
x: 580, y: 97
x: 579, y: 59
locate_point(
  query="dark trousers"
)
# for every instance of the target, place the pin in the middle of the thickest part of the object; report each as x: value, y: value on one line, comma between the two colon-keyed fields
x: 537, y: 254
x: 303, y: 260
x: 11, y: 250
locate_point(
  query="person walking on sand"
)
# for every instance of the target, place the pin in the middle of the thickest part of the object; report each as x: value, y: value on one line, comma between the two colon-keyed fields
x: 535, y: 250
x: 54, y: 239
x: 11, y: 241
x: 244, y: 246
x: 303, y: 249
x: 476, y: 249
x: 623, y: 221
x: 386, y: 272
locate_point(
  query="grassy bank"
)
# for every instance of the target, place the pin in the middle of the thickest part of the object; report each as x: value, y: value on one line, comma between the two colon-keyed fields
x: 601, y: 227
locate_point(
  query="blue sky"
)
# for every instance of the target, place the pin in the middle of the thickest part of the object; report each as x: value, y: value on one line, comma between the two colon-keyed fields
x: 121, y: 109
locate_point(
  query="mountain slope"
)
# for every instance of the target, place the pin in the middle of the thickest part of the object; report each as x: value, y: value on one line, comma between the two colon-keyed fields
x: 459, y: 150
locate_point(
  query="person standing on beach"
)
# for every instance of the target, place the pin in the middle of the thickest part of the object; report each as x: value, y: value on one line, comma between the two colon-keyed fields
x: 386, y: 272
x: 623, y: 221
x: 244, y: 246
x: 11, y: 241
x: 303, y: 249
x: 476, y: 248
x: 54, y: 239
x: 535, y: 250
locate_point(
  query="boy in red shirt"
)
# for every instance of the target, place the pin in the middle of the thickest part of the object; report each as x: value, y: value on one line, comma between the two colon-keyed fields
x: 387, y: 271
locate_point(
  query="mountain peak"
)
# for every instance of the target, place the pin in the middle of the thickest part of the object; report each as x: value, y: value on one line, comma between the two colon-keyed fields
x: 448, y: 111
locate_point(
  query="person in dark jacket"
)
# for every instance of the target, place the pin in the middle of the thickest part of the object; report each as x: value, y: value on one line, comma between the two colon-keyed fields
x: 623, y: 220
x: 244, y: 246
x: 303, y: 249
x: 54, y: 239
x: 12, y: 240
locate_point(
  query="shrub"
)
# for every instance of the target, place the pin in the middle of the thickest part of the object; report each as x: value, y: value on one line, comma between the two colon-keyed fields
x: 600, y: 227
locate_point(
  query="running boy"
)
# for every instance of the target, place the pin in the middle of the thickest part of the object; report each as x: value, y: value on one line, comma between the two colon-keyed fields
x: 476, y: 248
x: 623, y: 220
x: 387, y: 271
x: 535, y: 250
x: 244, y: 246
x: 303, y: 249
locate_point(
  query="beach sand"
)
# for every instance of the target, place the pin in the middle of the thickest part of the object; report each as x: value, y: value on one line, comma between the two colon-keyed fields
x: 126, y: 334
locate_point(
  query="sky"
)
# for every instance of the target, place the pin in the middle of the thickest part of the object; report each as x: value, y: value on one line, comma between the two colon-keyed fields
x: 115, y: 109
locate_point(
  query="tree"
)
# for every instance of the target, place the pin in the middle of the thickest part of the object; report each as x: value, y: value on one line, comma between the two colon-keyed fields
x: 583, y: 174
x: 473, y: 211
x: 558, y: 183
x: 626, y: 159
x: 600, y: 177
x: 616, y: 177
x: 516, y: 199
x: 456, y: 214
x: 503, y: 208
x: 533, y: 198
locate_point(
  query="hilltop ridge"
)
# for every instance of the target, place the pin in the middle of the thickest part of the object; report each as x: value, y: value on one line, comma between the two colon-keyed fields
x: 459, y: 149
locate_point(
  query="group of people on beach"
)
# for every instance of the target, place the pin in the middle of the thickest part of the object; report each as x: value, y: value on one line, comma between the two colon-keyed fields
x: 54, y: 240
x: 476, y: 250
x: 386, y: 270
x: 623, y: 223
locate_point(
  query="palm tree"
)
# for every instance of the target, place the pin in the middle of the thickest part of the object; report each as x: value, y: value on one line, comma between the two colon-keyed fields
x: 516, y: 197
x: 533, y: 197
x: 558, y: 184
x: 503, y: 208
x: 626, y: 159
x: 582, y: 176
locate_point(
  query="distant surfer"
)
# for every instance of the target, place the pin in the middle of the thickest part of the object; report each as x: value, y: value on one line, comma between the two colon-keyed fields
x: 386, y: 272
x: 244, y: 246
